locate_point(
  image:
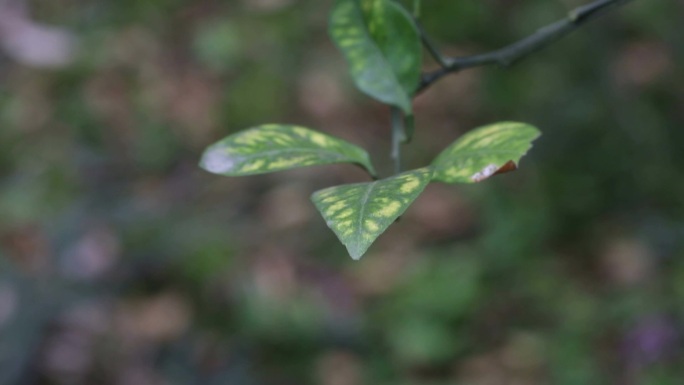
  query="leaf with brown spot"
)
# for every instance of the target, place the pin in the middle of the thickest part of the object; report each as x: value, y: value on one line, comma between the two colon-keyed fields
x: 484, y: 152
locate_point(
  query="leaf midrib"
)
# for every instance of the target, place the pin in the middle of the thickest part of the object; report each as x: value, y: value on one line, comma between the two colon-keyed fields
x: 478, y: 152
x: 362, y: 212
x: 269, y: 153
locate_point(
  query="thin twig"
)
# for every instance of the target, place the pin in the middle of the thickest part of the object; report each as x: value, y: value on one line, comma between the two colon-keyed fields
x: 510, y: 54
x: 416, y: 9
x: 430, y: 46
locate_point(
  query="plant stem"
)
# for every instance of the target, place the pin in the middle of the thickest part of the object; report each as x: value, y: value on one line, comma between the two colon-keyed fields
x: 409, y: 128
x: 398, y: 136
x: 512, y: 53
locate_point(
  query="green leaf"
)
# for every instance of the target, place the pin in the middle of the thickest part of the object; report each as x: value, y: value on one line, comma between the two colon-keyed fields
x: 359, y: 213
x: 383, y: 48
x: 483, y: 152
x: 275, y: 147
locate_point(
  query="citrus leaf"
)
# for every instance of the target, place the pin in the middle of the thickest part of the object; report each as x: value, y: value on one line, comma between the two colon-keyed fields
x: 275, y: 147
x: 382, y: 46
x: 359, y: 213
x: 483, y: 152
x: 395, y: 33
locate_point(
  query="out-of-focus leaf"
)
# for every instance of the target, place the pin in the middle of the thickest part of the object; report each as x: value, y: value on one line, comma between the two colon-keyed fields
x: 359, y: 213
x: 275, y: 147
x: 382, y: 45
x: 483, y: 152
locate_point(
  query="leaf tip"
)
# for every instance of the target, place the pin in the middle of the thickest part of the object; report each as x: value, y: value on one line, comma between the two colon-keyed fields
x: 217, y: 161
x: 356, y: 252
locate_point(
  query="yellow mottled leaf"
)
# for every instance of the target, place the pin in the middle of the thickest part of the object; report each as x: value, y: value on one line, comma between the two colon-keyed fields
x: 382, y: 46
x: 359, y: 213
x: 484, y: 152
x: 275, y: 147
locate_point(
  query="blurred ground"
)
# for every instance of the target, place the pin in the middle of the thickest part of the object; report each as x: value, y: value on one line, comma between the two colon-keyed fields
x: 121, y: 262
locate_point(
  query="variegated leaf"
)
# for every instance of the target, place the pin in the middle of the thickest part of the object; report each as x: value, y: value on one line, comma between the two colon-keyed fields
x: 275, y: 147
x: 483, y: 152
x: 383, y: 48
x: 359, y: 213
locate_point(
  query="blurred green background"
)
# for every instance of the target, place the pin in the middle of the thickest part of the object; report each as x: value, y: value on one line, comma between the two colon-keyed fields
x: 121, y: 262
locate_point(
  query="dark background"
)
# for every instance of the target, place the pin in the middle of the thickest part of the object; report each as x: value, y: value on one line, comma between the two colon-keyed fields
x: 122, y: 262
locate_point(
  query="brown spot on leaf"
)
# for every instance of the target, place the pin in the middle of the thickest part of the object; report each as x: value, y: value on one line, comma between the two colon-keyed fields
x: 508, y: 167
